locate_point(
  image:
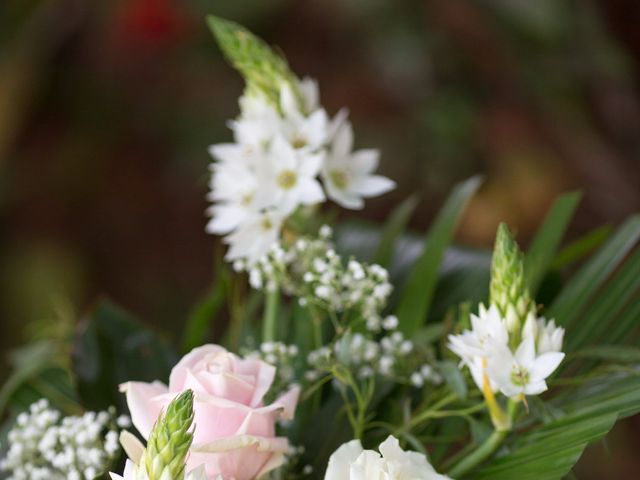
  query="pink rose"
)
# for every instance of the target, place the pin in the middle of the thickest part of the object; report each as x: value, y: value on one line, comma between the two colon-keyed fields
x: 234, y: 430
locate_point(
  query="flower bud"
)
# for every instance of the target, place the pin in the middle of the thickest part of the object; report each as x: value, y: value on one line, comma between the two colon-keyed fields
x: 170, y: 439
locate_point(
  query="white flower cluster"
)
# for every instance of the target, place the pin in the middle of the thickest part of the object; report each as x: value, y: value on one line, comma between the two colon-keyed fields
x: 364, y: 356
x: 515, y: 371
x: 282, y: 357
x: 274, y: 166
x: 312, y: 271
x: 43, y: 445
x: 284, y: 266
x: 426, y: 374
x: 356, y: 287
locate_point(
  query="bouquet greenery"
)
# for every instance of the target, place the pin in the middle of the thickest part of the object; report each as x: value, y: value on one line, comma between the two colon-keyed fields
x: 350, y: 351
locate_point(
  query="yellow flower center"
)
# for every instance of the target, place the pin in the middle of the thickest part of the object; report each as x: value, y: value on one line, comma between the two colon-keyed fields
x: 246, y: 199
x: 287, y: 179
x: 298, y: 141
x: 339, y: 179
x: 266, y: 224
x: 519, y: 376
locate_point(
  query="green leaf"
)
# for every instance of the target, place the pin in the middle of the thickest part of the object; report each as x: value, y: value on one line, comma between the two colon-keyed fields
x: 567, y: 306
x: 420, y: 286
x: 464, y: 277
x: 454, y: 378
x: 544, y: 245
x: 393, y: 228
x: 548, y: 452
x: 600, y: 315
x: 626, y: 322
x: 204, y: 314
x: 112, y: 348
x: 611, y: 353
x: 580, y: 248
x: 38, y: 372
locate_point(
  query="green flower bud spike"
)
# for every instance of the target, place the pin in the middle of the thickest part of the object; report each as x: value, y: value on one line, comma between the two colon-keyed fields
x: 508, y: 289
x: 169, y: 441
x: 263, y: 70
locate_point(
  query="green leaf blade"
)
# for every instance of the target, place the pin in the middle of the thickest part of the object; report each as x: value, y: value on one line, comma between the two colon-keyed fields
x: 550, y: 451
x: 544, y: 245
x: 394, y: 227
x: 567, y: 306
x: 420, y: 285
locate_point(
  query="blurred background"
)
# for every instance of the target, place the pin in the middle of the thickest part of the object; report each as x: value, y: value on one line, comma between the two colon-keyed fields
x: 107, y: 108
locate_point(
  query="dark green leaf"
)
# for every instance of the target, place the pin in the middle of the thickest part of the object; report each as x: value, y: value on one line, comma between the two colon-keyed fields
x: 112, y: 348
x: 594, y: 274
x: 548, y: 237
x: 596, y: 321
x: 611, y: 353
x: 626, y: 322
x: 580, y: 248
x: 420, y: 286
x: 549, y: 452
x: 394, y: 227
x: 454, y: 378
x: 38, y: 372
x: 204, y: 314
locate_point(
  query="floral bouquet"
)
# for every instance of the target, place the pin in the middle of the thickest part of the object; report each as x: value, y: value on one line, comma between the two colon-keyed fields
x: 350, y: 352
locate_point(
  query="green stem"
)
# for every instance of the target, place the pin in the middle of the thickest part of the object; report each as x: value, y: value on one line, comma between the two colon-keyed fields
x: 317, y: 331
x: 485, y: 450
x: 443, y: 414
x: 270, y: 313
x: 489, y: 446
x: 349, y: 410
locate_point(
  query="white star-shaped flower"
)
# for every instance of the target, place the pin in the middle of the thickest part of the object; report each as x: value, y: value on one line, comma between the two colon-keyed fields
x: 287, y: 178
x: 304, y: 132
x: 488, y: 331
x: 233, y: 186
x: 547, y: 336
x: 348, y: 176
x: 258, y: 123
x: 522, y: 373
x: 253, y: 238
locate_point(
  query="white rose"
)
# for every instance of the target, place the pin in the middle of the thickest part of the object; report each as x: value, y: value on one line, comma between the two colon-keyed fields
x: 352, y: 462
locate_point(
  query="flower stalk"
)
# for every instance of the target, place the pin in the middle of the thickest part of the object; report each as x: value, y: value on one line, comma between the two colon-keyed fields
x: 488, y: 447
x: 272, y: 301
x: 499, y: 418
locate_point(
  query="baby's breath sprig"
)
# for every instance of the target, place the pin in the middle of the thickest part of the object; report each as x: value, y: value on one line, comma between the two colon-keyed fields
x: 44, y: 445
x: 312, y: 271
x: 281, y: 356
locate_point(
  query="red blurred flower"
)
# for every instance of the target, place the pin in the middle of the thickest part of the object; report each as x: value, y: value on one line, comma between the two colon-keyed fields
x: 151, y: 22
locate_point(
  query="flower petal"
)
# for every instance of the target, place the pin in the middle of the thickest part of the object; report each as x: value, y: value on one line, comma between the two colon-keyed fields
x: 372, y: 185
x: 132, y: 446
x: 144, y: 406
x: 544, y: 365
x: 341, y: 460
